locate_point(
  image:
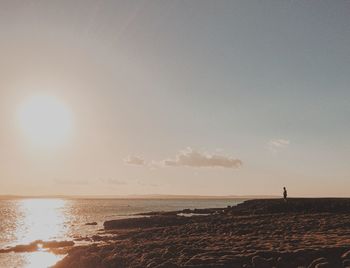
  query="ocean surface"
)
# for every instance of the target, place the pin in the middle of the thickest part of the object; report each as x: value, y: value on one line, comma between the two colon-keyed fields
x: 23, y: 221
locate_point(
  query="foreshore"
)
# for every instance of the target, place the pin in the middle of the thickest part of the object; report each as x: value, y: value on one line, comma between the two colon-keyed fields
x: 302, y: 232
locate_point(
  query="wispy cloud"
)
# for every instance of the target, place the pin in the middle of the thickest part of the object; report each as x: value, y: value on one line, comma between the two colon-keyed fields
x: 70, y: 181
x: 192, y: 158
x: 278, y: 144
x: 112, y: 181
x: 135, y: 160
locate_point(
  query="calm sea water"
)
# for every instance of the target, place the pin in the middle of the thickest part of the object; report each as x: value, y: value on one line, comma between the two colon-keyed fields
x: 25, y: 220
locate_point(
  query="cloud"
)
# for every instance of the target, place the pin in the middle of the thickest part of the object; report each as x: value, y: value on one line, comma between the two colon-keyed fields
x: 148, y: 184
x: 135, y: 160
x: 112, y: 181
x: 71, y: 181
x: 278, y: 144
x: 193, y: 158
x: 155, y: 164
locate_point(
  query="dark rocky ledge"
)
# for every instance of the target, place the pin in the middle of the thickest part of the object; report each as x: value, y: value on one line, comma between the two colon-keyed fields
x: 302, y: 205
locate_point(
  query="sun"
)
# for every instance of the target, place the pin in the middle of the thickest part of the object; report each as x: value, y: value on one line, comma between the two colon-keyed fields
x: 45, y: 120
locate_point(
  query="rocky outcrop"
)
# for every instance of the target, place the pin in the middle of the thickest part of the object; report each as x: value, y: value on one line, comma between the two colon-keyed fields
x: 147, y: 222
x: 305, y: 205
x: 302, y: 233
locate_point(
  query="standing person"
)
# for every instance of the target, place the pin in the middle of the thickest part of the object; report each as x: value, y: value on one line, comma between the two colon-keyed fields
x: 285, y: 194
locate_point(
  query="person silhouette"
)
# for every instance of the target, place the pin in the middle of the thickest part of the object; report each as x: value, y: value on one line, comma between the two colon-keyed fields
x: 285, y: 194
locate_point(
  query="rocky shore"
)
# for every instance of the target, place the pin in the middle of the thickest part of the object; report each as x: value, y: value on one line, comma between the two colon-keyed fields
x: 311, y: 233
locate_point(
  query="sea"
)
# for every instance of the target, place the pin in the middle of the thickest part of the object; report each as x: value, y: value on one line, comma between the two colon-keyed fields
x: 25, y: 220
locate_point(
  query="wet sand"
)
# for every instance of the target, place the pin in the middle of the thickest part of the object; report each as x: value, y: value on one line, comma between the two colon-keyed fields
x: 311, y: 232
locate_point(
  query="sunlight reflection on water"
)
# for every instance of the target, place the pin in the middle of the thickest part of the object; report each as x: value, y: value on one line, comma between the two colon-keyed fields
x: 38, y: 219
x: 41, y: 219
x: 41, y: 259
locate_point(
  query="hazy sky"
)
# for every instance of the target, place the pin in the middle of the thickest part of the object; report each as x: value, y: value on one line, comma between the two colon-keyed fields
x: 176, y: 97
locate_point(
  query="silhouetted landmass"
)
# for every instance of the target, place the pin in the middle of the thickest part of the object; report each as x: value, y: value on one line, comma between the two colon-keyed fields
x: 257, y: 233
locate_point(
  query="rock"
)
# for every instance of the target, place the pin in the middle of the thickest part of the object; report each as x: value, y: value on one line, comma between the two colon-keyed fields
x: 147, y: 222
x: 315, y: 262
x: 25, y: 248
x: 258, y: 233
x: 73, y: 259
x: 167, y: 264
x: 323, y: 265
x: 306, y: 205
x: 114, y: 261
x: 91, y: 223
x: 97, y: 238
x: 346, y: 255
x: 260, y: 262
x: 168, y: 254
x: 346, y: 263
x: 91, y: 261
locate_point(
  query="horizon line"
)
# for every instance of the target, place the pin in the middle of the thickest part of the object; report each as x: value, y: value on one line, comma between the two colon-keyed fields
x: 141, y: 196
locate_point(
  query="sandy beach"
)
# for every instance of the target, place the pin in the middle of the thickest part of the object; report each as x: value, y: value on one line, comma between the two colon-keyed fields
x: 257, y: 233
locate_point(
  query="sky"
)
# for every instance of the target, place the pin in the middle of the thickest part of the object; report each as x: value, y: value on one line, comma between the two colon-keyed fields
x: 175, y: 97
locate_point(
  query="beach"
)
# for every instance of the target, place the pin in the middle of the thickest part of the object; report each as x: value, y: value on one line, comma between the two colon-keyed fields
x: 37, y: 232
x: 256, y: 233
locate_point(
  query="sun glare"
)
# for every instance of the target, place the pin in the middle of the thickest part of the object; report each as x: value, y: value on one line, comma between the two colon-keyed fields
x: 42, y: 219
x: 45, y: 120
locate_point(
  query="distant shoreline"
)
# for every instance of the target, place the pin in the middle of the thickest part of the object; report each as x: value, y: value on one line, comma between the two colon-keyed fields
x: 141, y: 197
